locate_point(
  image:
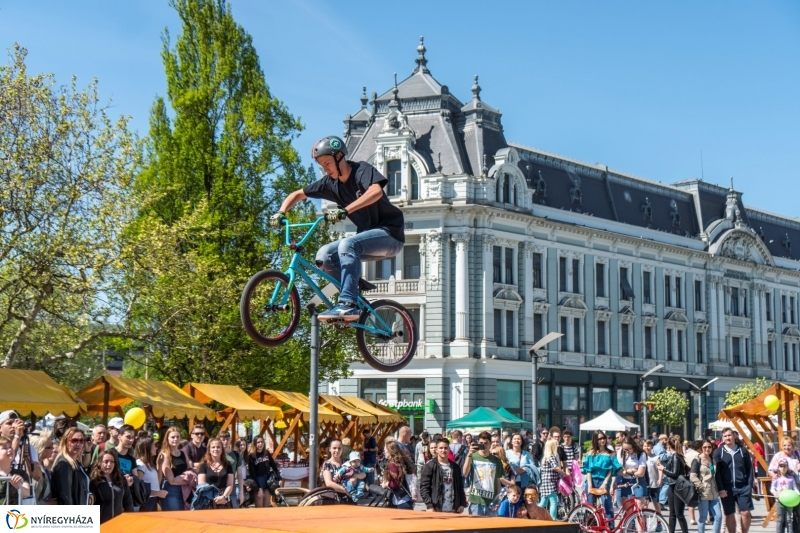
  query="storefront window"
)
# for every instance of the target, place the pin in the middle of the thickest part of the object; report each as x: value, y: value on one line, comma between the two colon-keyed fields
x: 373, y: 389
x: 601, y: 399
x: 569, y: 398
x: 509, y: 395
x: 625, y: 399
x: 411, y: 390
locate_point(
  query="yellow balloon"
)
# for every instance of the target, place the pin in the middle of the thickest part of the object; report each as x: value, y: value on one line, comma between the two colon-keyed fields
x: 136, y: 417
x: 772, y: 402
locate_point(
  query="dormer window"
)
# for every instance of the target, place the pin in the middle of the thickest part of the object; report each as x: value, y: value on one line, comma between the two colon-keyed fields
x: 540, y: 188
x: 414, y: 184
x: 506, y: 189
x: 393, y: 174
x: 647, y: 211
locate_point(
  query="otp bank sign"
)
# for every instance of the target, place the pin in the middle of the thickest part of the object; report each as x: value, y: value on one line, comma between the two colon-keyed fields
x: 49, y: 518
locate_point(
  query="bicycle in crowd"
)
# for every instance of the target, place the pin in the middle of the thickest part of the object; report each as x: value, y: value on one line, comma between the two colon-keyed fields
x: 270, y: 310
x: 629, y: 518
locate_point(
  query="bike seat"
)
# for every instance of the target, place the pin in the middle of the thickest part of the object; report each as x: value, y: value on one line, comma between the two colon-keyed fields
x: 364, y: 285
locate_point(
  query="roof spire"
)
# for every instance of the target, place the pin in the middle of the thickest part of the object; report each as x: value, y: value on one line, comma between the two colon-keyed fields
x: 363, y: 98
x: 731, y: 183
x: 395, y: 91
x: 476, y: 89
x: 421, y: 61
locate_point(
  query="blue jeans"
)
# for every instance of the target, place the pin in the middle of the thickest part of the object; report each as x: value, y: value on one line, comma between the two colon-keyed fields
x: 704, y: 507
x: 550, y: 502
x: 476, y: 509
x: 174, y: 500
x: 606, y: 500
x: 342, y: 259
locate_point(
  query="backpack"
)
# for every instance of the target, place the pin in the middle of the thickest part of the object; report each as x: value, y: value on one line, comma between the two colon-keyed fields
x: 140, y: 491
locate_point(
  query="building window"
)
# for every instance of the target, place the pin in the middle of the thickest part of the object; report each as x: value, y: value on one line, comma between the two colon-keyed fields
x: 699, y: 348
x: 648, y: 342
x: 601, y: 337
x: 735, y: 301
x: 698, y: 295
x: 768, y: 305
x: 626, y: 331
x: 411, y: 389
x: 625, y: 284
x: 562, y: 274
x: 384, y: 269
x: 510, y: 329
x: 576, y: 332
x: 783, y: 308
x: 678, y: 299
x: 542, y: 406
x: 667, y: 292
x: 646, y: 291
x: 564, y: 345
x: 576, y: 276
x: 498, y: 327
x: 625, y: 400
x: 411, y: 262
x: 509, y: 395
x: 601, y: 399
x: 509, y: 266
x: 736, y: 345
x: 680, y: 345
x: 393, y: 175
x: 497, y: 264
x: 770, y: 354
x: 537, y: 271
x: 414, y: 184
x: 538, y: 326
x: 498, y: 192
x: 600, y: 280
x: 373, y: 389
x: 670, y: 355
x: 506, y: 189
x: 786, y: 365
x: 791, y: 310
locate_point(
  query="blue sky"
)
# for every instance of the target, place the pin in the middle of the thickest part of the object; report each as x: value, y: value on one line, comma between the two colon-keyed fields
x: 643, y: 87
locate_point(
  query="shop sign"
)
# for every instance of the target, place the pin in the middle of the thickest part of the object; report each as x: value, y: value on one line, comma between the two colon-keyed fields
x: 404, y: 405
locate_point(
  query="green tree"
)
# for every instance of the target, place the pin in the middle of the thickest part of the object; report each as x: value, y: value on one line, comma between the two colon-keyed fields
x: 219, y: 160
x: 670, y: 407
x: 745, y: 392
x: 65, y: 173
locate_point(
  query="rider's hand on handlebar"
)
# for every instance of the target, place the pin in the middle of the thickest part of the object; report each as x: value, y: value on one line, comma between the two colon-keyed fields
x: 277, y: 219
x: 336, y: 216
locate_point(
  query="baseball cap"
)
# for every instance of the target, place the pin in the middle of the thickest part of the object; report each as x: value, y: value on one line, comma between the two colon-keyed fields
x: 5, y: 415
x: 783, y: 462
x: 355, y: 456
x: 116, y: 422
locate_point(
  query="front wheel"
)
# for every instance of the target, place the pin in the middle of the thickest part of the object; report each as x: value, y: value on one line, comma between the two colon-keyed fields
x: 270, y: 312
x: 387, y: 338
x: 585, y: 516
x: 645, y: 521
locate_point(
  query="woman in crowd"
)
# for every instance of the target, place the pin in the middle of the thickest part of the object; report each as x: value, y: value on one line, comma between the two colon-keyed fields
x: 551, y: 472
x: 145, y: 453
x: 676, y: 466
x: 43, y: 443
x: 261, y: 465
x: 599, y: 465
x: 218, y: 472
x: 70, y: 480
x: 521, y: 461
x: 702, y: 475
x: 394, y: 477
x: 655, y: 475
x: 172, y: 463
x: 690, y: 452
x: 332, y: 465
x: 787, y: 452
x: 19, y: 483
x: 508, y: 471
x: 634, y: 470
x: 241, y: 446
x: 109, y: 488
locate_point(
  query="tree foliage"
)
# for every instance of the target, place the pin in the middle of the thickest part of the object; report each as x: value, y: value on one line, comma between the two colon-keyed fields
x: 219, y: 160
x: 744, y: 392
x: 65, y: 173
x: 670, y: 407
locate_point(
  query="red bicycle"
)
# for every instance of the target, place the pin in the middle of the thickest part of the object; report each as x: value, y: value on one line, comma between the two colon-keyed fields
x: 630, y: 518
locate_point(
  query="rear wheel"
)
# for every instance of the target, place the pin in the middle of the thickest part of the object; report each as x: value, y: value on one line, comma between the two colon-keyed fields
x: 387, y: 350
x: 646, y: 521
x: 269, y: 313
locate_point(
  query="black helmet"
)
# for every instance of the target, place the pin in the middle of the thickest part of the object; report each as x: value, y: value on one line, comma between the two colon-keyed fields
x: 329, y: 145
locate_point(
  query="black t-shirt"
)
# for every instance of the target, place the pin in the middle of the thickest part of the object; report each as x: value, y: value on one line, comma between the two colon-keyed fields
x: 179, y: 465
x: 218, y: 479
x: 127, y: 462
x: 261, y: 464
x: 382, y: 214
x: 370, y: 458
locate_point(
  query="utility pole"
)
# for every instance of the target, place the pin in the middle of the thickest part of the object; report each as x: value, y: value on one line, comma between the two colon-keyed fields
x: 656, y: 368
x: 313, y: 429
x: 700, y: 391
x: 535, y: 360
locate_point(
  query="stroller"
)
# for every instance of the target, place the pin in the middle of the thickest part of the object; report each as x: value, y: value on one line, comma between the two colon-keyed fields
x: 375, y: 497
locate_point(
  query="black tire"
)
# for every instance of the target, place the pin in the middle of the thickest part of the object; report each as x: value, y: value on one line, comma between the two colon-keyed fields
x: 585, y: 516
x: 396, y: 355
x: 268, y: 327
x: 650, y: 522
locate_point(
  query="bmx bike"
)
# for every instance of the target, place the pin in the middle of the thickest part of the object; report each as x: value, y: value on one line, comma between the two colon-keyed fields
x: 270, y: 308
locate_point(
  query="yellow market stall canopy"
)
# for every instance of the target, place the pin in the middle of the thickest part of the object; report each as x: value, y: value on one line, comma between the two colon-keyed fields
x: 235, y: 398
x: 34, y: 392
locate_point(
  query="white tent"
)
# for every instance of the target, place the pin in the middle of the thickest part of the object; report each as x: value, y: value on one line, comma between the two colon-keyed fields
x: 608, y: 421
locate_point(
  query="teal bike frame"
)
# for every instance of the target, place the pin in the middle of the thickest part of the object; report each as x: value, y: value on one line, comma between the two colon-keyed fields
x: 298, y: 267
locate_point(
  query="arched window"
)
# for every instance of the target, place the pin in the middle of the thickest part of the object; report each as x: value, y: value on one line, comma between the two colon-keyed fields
x: 414, y: 184
x: 393, y: 169
x: 506, y: 189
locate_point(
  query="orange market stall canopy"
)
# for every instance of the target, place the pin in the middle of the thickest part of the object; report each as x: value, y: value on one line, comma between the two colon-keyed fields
x: 34, y: 392
x: 161, y: 399
x: 752, y: 420
x: 297, y: 407
x: 238, y: 405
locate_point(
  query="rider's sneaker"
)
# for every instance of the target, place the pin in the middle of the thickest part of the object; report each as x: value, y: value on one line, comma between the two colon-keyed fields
x: 345, y: 312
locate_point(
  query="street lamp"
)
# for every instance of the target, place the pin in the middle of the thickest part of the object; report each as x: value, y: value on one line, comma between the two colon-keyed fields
x: 536, y: 359
x: 700, y: 392
x: 656, y: 368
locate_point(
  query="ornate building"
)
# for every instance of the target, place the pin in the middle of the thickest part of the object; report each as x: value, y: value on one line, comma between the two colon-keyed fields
x: 505, y: 243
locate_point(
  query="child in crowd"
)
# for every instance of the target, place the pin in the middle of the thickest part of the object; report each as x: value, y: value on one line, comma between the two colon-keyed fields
x: 511, y: 505
x: 347, y: 476
x: 784, y: 481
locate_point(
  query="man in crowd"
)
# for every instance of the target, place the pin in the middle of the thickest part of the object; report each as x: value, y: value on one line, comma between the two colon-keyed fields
x: 236, y: 461
x: 195, y: 449
x: 457, y: 446
x: 404, y: 440
x: 12, y: 427
x: 113, y: 432
x: 440, y: 485
x: 124, y: 452
x: 734, y: 476
x: 660, y: 451
x: 555, y: 434
x: 98, y: 440
x: 421, y: 453
x: 486, y: 478
x: 369, y: 455
x: 572, y: 450
x: 537, y: 448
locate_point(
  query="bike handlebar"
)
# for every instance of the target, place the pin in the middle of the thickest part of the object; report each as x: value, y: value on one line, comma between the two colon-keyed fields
x: 311, y: 225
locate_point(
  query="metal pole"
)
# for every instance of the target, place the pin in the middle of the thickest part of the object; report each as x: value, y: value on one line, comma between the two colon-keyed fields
x: 313, y: 428
x: 534, y: 407
x: 700, y: 413
x: 645, y: 433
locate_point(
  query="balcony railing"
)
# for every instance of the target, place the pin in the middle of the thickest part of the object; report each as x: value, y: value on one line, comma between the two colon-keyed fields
x: 403, y: 286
